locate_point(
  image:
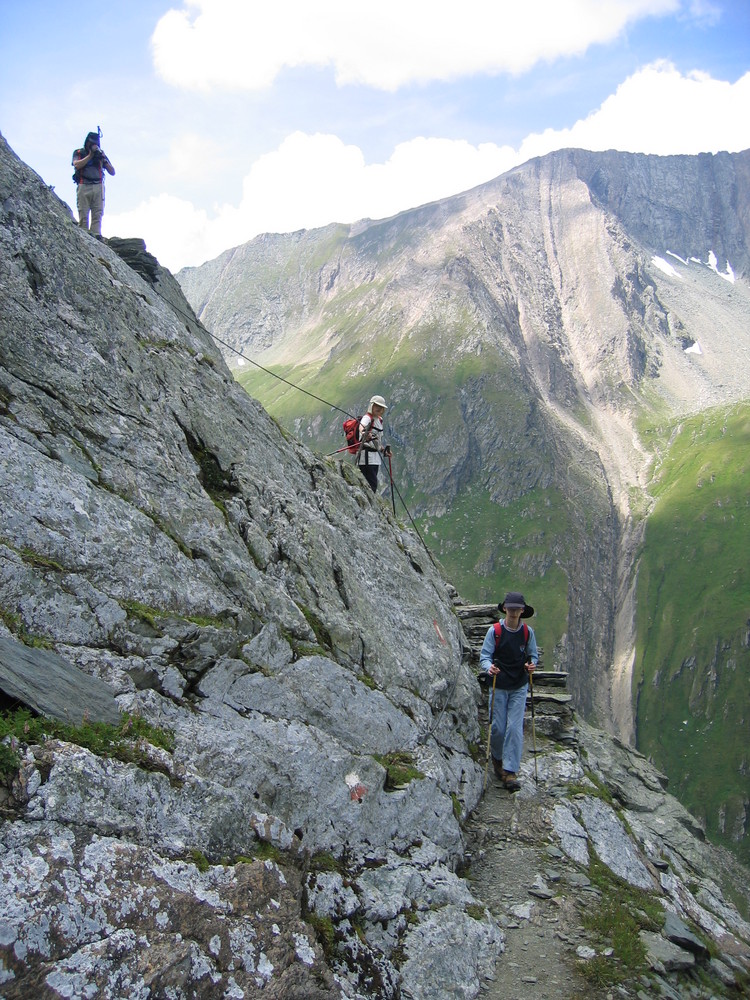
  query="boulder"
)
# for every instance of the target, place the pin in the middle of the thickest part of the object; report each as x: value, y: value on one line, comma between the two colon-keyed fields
x: 51, y: 686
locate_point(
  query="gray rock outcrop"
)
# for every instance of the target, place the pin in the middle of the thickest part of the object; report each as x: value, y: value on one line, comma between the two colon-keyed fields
x: 598, y: 877
x: 53, y: 687
x: 160, y: 534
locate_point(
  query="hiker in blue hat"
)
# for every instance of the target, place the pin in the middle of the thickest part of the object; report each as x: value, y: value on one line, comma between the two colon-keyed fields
x: 509, y: 655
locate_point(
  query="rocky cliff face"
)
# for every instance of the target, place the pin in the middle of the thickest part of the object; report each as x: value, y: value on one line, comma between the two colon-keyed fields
x: 160, y: 533
x: 167, y: 552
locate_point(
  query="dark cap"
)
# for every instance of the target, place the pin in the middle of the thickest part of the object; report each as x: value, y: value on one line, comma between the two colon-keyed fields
x: 515, y: 600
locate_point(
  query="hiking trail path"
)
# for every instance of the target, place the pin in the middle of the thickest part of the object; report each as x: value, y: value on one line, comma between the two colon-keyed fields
x: 532, y: 889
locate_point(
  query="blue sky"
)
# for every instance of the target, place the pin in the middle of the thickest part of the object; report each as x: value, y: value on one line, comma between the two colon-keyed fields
x: 228, y: 118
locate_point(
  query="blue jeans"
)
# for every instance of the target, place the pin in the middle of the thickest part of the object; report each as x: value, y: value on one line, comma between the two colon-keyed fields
x: 506, y: 740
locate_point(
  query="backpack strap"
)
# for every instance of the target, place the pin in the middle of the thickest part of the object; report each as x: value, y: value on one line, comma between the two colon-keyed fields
x: 499, y: 628
x: 79, y: 154
x: 368, y: 430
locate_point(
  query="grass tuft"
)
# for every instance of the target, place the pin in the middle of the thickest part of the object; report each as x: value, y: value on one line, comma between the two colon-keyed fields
x: 123, y: 741
x: 400, y: 769
x: 615, y: 922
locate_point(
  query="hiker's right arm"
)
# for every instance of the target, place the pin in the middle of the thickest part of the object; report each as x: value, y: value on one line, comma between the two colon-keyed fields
x: 488, y: 651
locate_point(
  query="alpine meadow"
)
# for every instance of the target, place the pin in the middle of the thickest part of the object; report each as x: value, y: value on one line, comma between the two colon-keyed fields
x: 565, y: 354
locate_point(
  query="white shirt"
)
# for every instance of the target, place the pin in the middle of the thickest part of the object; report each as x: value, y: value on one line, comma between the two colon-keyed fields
x: 369, y: 453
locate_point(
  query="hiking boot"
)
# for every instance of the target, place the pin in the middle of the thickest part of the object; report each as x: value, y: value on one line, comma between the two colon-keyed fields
x: 497, y: 766
x: 510, y: 781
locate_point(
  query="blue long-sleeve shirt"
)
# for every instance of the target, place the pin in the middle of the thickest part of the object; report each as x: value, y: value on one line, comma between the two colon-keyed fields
x: 513, y: 653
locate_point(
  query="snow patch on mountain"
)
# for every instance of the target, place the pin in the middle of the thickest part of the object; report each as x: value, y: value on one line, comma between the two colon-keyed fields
x: 666, y: 267
x: 728, y: 274
x: 711, y: 263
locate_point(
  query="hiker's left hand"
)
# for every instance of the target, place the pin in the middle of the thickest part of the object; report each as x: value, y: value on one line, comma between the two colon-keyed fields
x: 530, y: 667
x: 387, y: 450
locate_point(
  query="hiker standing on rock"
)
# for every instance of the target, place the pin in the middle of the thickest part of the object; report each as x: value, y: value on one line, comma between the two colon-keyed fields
x: 89, y: 164
x: 509, y: 655
x: 371, y: 447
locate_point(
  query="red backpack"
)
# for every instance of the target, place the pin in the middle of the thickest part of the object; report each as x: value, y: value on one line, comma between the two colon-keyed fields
x: 351, y: 430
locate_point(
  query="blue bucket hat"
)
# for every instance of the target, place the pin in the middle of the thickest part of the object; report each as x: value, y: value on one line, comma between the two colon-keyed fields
x: 515, y: 600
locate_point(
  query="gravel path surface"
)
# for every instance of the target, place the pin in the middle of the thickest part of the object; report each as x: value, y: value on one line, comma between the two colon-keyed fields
x: 522, y: 883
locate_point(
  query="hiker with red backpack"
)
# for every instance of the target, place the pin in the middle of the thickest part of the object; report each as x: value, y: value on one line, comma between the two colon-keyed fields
x: 89, y: 164
x: 370, y: 443
x: 509, y: 655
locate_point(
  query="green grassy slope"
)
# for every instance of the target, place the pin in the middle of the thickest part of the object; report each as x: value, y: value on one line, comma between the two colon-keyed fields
x: 523, y: 537
x: 693, y: 658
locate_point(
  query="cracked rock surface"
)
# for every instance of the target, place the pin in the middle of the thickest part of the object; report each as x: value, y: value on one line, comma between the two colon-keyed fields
x: 160, y: 535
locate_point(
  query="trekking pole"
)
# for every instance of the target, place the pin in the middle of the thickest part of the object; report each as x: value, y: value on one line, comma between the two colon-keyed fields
x: 533, y: 727
x: 416, y: 529
x: 390, y: 473
x: 337, y: 452
x: 489, y: 733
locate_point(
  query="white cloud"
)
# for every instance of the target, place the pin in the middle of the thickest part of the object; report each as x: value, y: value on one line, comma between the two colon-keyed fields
x: 175, y: 231
x: 704, y: 12
x: 313, y: 180
x: 660, y: 110
x: 238, y: 45
x: 194, y: 157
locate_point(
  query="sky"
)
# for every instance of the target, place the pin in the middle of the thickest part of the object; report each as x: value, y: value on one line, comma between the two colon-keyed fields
x: 225, y: 119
